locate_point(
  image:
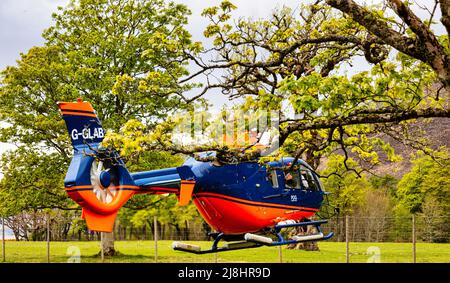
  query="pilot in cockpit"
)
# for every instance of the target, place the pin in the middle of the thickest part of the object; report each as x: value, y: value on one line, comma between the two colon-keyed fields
x: 291, y: 180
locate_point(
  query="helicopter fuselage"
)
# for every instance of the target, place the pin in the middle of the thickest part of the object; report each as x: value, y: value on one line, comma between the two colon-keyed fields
x: 244, y: 197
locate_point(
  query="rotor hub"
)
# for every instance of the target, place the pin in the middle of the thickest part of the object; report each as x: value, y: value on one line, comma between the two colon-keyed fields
x: 105, y: 179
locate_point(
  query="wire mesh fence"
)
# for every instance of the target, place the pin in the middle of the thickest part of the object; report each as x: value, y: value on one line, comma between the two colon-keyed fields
x: 356, y: 239
x: 391, y: 229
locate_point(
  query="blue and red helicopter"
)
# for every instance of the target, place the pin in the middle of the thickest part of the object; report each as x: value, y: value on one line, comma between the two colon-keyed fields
x: 248, y: 204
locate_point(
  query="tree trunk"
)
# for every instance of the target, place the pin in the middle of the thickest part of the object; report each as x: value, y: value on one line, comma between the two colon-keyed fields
x: 307, y: 246
x: 108, y: 244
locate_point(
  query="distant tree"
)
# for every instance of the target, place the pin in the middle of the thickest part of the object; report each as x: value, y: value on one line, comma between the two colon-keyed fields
x: 402, y: 224
x: 425, y: 191
x: 386, y: 183
x: 433, y: 221
x: 371, y: 223
x: 346, y: 187
x: 168, y: 213
x: 427, y: 178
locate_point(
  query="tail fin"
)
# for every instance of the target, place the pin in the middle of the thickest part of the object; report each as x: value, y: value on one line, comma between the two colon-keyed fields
x: 82, y: 123
x: 84, y: 182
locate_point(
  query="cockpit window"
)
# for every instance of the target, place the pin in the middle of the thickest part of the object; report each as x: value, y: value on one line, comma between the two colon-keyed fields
x: 308, y: 180
x: 273, y: 178
x: 301, y: 179
x: 292, y: 180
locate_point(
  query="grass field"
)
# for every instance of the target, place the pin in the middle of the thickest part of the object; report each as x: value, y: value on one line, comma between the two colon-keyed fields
x: 143, y: 251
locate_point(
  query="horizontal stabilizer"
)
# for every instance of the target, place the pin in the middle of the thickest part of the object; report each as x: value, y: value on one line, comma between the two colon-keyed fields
x: 99, y: 222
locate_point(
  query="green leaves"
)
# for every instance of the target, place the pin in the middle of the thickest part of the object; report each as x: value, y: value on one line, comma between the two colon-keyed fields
x: 347, y: 188
x: 427, y: 178
x: 32, y: 180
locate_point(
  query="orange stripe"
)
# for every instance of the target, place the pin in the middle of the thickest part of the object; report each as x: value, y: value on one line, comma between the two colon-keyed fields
x: 84, y: 106
x: 66, y: 112
x: 126, y: 187
x: 78, y: 187
x: 114, y: 187
x: 282, y: 206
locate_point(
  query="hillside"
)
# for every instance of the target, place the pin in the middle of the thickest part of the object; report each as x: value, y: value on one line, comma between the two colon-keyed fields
x: 437, y: 133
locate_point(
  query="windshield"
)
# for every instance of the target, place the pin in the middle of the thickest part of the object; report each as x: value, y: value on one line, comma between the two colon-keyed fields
x: 303, y: 178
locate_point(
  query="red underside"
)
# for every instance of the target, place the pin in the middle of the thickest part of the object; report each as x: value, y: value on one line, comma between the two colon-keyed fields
x: 231, y: 217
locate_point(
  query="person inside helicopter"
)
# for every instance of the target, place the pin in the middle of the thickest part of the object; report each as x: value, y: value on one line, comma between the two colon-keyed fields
x: 301, y: 179
x: 292, y: 180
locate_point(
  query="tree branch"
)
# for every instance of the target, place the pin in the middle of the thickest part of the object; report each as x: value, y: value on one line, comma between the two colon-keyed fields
x: 376, y: 26
x: 370, y: 118
x: 445, y: 10
x: 425, y: 47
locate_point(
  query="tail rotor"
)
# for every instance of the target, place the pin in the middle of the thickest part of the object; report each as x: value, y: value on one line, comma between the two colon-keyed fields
x: 102, y: 182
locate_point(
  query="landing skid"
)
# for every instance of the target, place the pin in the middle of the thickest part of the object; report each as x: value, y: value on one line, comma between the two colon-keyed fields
x: 239, y: 245
x: 255, y: 241
x: 319, y: 236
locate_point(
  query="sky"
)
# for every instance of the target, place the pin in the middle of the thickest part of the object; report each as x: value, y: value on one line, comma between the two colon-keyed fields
x: 22, y: 21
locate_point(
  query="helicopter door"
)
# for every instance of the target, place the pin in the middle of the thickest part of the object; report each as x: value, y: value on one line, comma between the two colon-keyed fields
x: 275, y: 178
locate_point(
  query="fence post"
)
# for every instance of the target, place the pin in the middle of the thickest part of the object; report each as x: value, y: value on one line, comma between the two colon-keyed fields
x: 414, y: 237
x: 347, y: 254
x: 280, y: 254
x: 3, y: 240
x: 155, y: 224
x: 48, y: 238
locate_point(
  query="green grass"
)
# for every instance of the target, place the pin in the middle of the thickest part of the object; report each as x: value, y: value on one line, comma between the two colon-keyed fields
x: 143, y: 251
